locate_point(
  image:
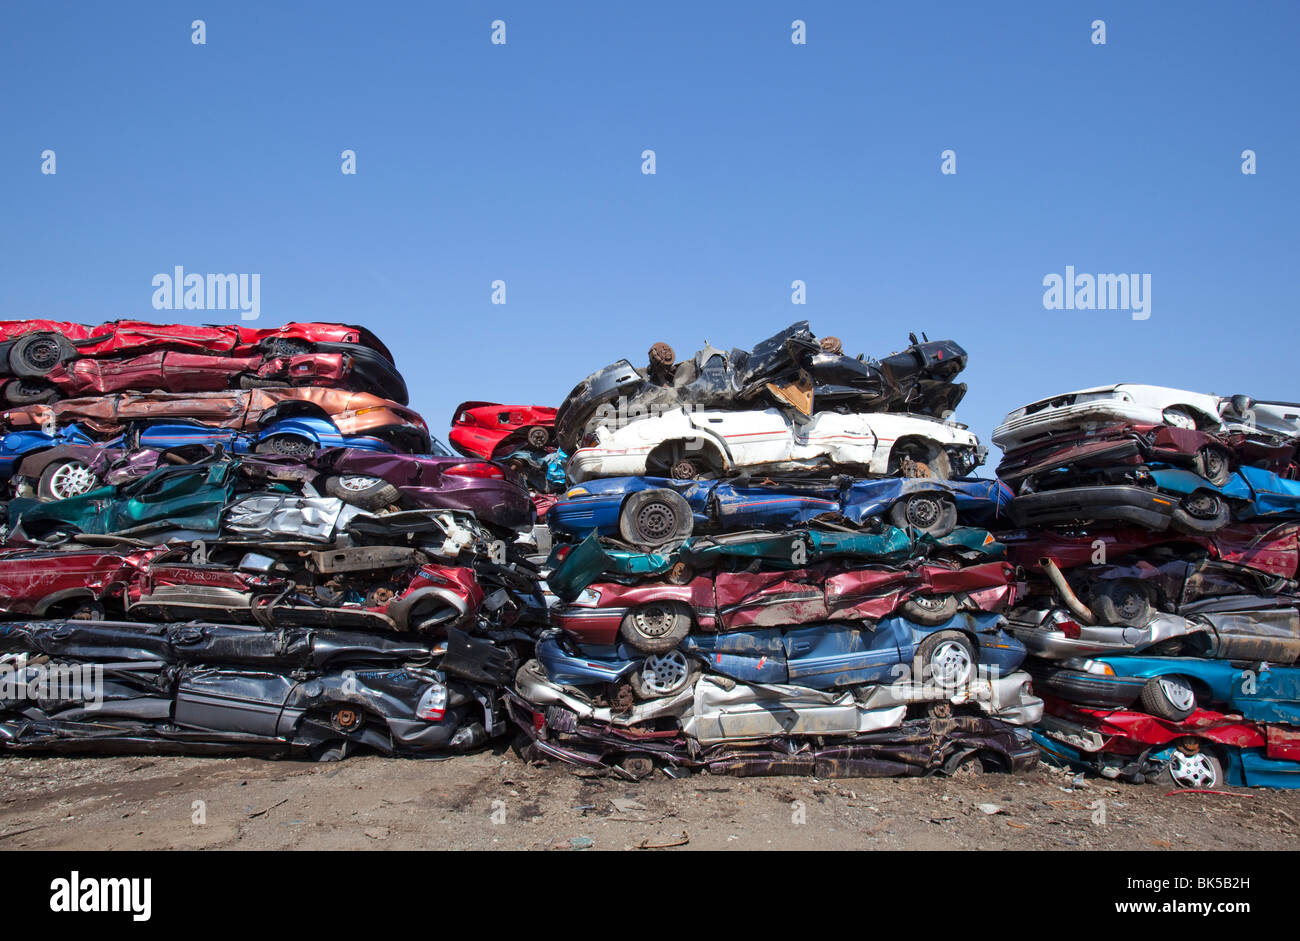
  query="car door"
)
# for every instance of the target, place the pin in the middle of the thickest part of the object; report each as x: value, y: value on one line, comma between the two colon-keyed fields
x: 750, y: 438
x: 826, y: 656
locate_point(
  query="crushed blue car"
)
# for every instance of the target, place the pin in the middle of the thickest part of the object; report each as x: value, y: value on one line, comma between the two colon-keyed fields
x: 653, y: 511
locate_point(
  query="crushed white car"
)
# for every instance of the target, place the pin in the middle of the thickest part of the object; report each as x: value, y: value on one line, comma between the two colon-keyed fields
x: 685, y: 444
x: 1146, y: 405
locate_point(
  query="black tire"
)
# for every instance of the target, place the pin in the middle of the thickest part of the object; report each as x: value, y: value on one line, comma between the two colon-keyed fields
x: 656, y: 627
x: 287, y: 445
x: 538, y: 437
x: 1120, y: 601
x: 1214, y: 464
x: 946, y: 659
x: 655, y: 517
x: 351, y: 488
x: 664, y: 675
x: 64, y: 479
x: 931, y: 459
x: 36, y: 354
x: 1169, y: 697
x: 1201, y: 512
x: 29, y: 391
x: 929, y: 610
x: 928, y: 512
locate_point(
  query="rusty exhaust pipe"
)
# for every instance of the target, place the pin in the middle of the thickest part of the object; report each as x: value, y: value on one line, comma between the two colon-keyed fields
x: 1077, y: 607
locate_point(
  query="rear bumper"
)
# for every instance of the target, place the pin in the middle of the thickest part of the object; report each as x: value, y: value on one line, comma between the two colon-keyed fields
x: 1135, y: 505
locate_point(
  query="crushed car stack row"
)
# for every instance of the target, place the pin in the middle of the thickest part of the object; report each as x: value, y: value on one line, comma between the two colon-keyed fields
x: 775, y: 560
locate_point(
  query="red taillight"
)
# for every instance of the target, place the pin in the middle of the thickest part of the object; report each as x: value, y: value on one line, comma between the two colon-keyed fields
x: 475, y: 469
x: 539, y: 721
x: 1069, y: 628
x: 561, y: 553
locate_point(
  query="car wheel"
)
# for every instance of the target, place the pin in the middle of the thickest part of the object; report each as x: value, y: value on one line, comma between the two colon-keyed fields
x: 664, y: 674
x: 287, y: 346
x: 928, y: 512
x: 29, y: 391
x: 369, y: 493
x: 929, y: 610
x: 946, y: 660
x: 37, y: 354
x: 62, y: 480
x: 1214, y: 464
x: 656, y: 627
x: 1201, y: 513
x: 538, y: 437
x: 1198, y: 769
x: 287, y: 445
x: 1120, y: 601
x: 1169, y: 697
x: 654, y: 517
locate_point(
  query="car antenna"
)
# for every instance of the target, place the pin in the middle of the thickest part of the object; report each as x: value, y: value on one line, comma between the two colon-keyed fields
x: 911, y: 338
x: 924, y: 337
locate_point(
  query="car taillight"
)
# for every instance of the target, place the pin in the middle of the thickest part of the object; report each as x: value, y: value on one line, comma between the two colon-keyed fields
x: 433, y: 704
x: 562, y: 553
x: 475, y: 469
x: 1069, y: 628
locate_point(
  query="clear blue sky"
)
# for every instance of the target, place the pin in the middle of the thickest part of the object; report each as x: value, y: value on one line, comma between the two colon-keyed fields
x: 775, y: 162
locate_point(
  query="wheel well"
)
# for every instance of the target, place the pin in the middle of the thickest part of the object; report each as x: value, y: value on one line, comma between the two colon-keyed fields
x: 292, y: 410
x: 1204, y: 421
x: 708, y: 452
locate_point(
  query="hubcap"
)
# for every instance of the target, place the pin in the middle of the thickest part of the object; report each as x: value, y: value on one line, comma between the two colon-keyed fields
x: 656, y: 521
x: 1180, y: 696
x: 950, y: 664
x: 1195, y: 770
x: 72, y: 480
x: 1216, y: 464
x: 665, y: 673
x: 355, y: 483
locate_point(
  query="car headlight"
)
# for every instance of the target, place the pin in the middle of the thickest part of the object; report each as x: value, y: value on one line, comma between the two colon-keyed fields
x: 590, y: 598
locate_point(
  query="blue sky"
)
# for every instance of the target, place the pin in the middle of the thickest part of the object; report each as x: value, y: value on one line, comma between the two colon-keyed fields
x: 775, y: 162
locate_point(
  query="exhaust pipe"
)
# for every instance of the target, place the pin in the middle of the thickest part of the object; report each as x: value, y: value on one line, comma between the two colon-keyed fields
x: 1077, y: 607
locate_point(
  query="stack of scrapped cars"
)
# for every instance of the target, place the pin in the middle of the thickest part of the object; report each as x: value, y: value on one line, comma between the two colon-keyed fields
x: 776, y: 561
x: 225, y: 539
x: 1158, y: 532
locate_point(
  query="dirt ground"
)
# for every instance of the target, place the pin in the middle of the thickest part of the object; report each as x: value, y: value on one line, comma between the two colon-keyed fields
x: 492, y: 800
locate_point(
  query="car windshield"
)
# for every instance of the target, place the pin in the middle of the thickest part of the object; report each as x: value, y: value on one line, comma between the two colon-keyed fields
x: 438, y: 449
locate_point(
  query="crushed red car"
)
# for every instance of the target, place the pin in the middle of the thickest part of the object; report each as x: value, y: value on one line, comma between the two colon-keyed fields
x: 489, y: 430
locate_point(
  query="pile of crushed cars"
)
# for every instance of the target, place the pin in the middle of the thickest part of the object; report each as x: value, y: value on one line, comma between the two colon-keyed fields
x: 1158, y: 537
x: 775, y: 560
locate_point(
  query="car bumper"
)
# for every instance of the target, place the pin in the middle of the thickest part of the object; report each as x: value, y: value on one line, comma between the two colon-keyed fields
x: 1135, y: 505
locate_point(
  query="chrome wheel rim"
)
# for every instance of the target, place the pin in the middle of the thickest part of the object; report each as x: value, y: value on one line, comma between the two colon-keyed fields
x: 71, y: 480
x: 950, y: 664
x: 1180, y: 695
x: 1194, y: 770
x: 665, y: 673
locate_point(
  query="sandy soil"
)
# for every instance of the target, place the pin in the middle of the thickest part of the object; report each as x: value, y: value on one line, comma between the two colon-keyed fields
x: 492, y: 800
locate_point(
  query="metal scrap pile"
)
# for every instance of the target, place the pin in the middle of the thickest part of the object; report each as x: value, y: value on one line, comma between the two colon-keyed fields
x: 1159, y: 542
x: 774, y: 560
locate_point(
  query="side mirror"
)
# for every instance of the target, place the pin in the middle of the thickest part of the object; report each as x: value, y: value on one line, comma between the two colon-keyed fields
x: 1241, y: 404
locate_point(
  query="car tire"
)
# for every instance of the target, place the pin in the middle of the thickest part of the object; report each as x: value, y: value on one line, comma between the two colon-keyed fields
x: 369, y: 493
x: 664, y: 674
x: 929, y: 512
x: 1120, y: 601
x: 286, y: 346
x: 1201, y: 513
x: 62, y: 480
x: 656, y: 627
x: 287, y: 446
x: 1214, y: 464
x: 929, y: 610
x: 946, y: 659
x: 1198, y: 769
x: 1168, y: 697
x: 29, y: 392
x: 36, y: 354
x: 655, y: 517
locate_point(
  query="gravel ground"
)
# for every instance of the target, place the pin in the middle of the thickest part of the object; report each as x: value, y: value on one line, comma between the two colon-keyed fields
x: 492, y: 800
